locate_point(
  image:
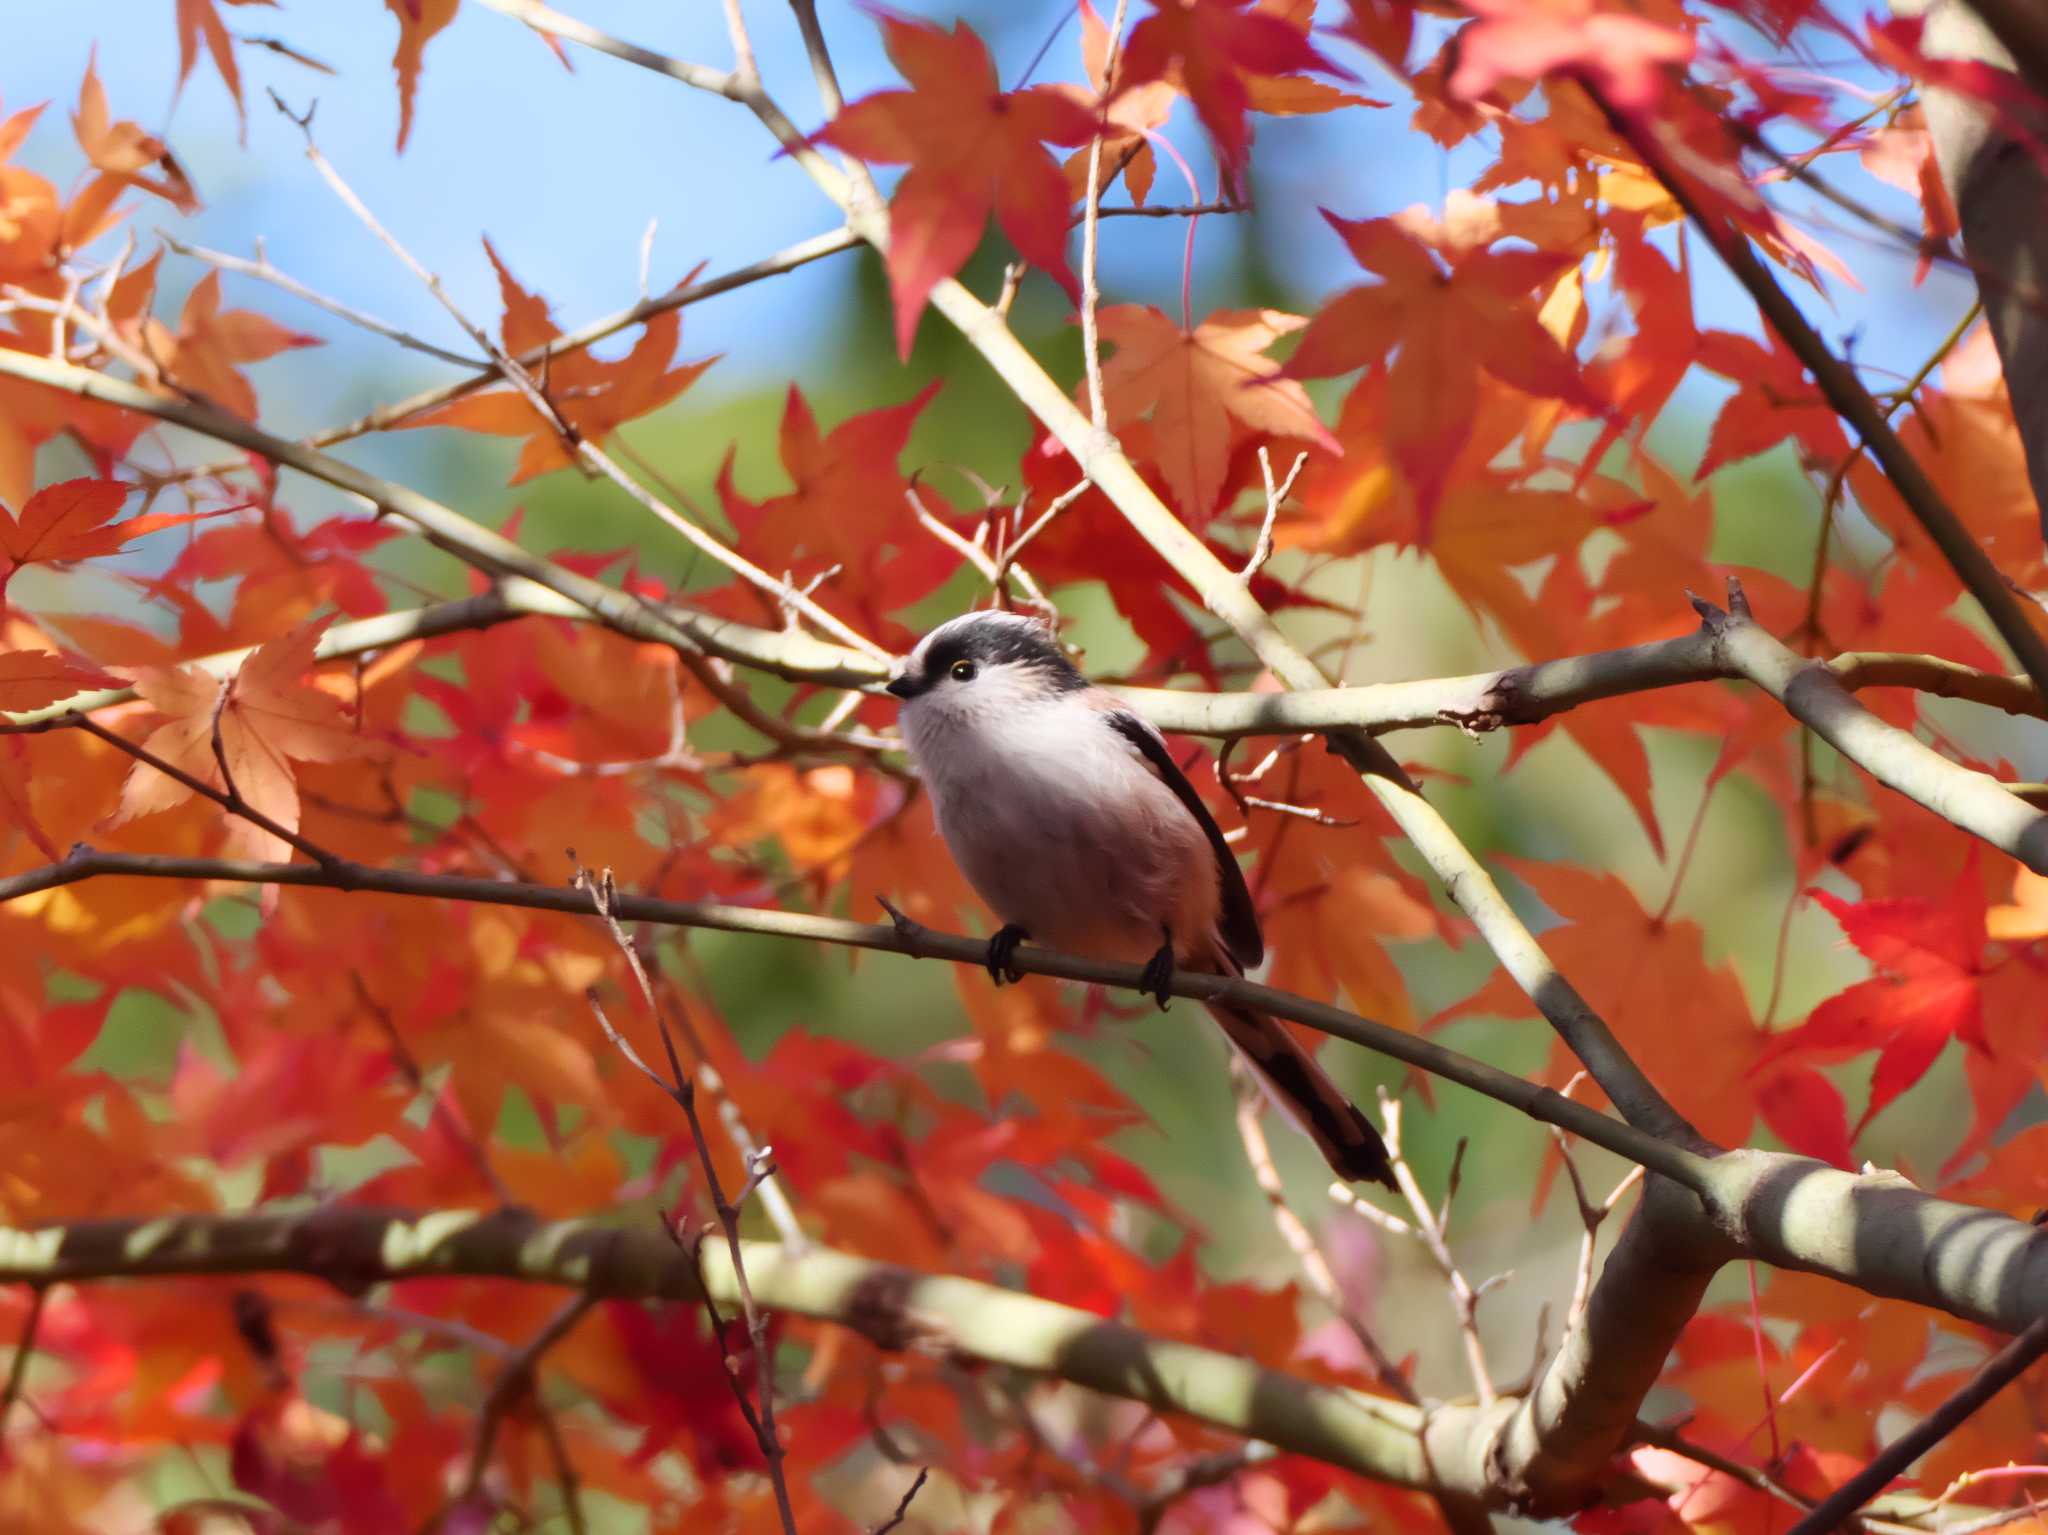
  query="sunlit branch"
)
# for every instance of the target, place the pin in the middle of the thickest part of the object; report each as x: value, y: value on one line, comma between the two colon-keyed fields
x: 1458, y: 1450
x: 1814, y: 695
x: 895, y: 1308
x: 785, y: 653
x: 1874, y: 1230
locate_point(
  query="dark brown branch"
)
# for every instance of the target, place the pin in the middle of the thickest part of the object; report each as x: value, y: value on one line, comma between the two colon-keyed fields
x: 1999, y: 1371
x: 1853, y: 402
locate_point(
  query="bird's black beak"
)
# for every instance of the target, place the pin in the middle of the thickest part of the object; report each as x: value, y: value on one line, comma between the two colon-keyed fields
x: 902, y: 687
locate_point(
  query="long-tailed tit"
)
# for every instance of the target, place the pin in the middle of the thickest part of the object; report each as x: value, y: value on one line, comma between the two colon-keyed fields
x: 1072, y: 821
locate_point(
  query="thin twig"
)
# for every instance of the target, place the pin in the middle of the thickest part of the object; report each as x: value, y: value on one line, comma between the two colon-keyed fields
x: 903, y: 1503
x: 760, y: 1414
x: 409, y: 1066
x: 1091, y: 293
x: 572, y: 437
x: 262, y: 270
x: 1992, y: 1377
x: 1429, y: 1226
x: 1262, y: 546
x: 229, y: 800
x: 515, y: 1380
x: 24, y: 1347
x: 1315, y: 1266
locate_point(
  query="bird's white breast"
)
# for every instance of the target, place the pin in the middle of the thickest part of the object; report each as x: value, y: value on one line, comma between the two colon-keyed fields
x: 1056, y: 820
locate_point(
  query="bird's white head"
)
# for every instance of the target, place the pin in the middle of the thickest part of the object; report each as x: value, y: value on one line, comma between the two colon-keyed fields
x: 978, y: 669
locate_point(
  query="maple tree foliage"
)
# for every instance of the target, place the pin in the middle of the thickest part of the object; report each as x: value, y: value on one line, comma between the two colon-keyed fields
x: 384, y: 1145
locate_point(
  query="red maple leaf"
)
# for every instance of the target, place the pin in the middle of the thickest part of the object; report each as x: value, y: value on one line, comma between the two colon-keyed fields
x: 1216, y: 49
x: 1527, y: 39
x: 1452, y: 320
x: 846, y: 509
x: 1774, y: 399
x: 1928, y: 989
x: 972, y: 148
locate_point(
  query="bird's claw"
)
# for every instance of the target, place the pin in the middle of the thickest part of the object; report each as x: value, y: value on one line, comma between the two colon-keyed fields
x: 1156, y: 979
x: 1002, y: 953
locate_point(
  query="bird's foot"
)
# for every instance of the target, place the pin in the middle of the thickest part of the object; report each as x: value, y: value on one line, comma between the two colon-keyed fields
x: 1002, y: 953
x: 1156, y: 979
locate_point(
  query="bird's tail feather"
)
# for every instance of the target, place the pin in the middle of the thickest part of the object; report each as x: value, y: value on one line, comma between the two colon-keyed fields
x: 1306, y: 1096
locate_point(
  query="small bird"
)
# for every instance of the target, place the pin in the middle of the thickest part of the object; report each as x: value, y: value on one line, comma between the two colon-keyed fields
x: 1070, y: 818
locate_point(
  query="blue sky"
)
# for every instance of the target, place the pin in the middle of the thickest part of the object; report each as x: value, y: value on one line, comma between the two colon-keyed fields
x: 565, y: 170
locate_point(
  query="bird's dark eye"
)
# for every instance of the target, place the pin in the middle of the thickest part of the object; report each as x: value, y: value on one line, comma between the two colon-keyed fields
x: 961, y: 671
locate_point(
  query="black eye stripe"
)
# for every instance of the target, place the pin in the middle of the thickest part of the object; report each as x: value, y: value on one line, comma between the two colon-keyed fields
x: 992, y: 641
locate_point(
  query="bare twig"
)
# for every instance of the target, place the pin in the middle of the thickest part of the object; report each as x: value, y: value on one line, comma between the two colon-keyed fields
x: 760, y: 1413
x: 24, y: 1347
x: 1428, y: 1224
x: 1996, y: 1373
x: 1315, y: 1266
x: 408, y: 1064
x: 384, y: 416
x: 1262, y: 546
x: 229, y: 799
x: 515, y: 1380
x: 262, y: 270
x: 1091, y: 214
x: 573, y: 438
x: 903, y: 1503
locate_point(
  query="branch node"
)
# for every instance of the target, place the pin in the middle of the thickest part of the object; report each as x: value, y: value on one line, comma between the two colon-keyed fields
x: 908, y: 928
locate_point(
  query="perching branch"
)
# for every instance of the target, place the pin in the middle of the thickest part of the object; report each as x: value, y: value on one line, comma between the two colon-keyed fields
x: 1874, y: 1230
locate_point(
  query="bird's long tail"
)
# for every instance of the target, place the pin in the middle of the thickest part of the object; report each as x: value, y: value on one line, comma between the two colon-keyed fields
x: 1343, y: 1134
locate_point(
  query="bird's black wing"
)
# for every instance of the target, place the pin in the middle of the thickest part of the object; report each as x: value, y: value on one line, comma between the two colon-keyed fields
x: 1239, y: 921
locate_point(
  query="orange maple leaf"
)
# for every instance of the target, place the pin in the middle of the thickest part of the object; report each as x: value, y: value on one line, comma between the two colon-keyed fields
x: 123, y: 151
x: 212, y: 344
x: 595, y: 397
x: 846, y: 508
x: 1128, y: 115
x: 264, y: 715
x: 30, y: 679
x: 1202, y: 387
x: 1774, y: 399
x: 71, y: 521
x: 418, y: 21
x: 972, y: 148
x: 1451, y: 323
